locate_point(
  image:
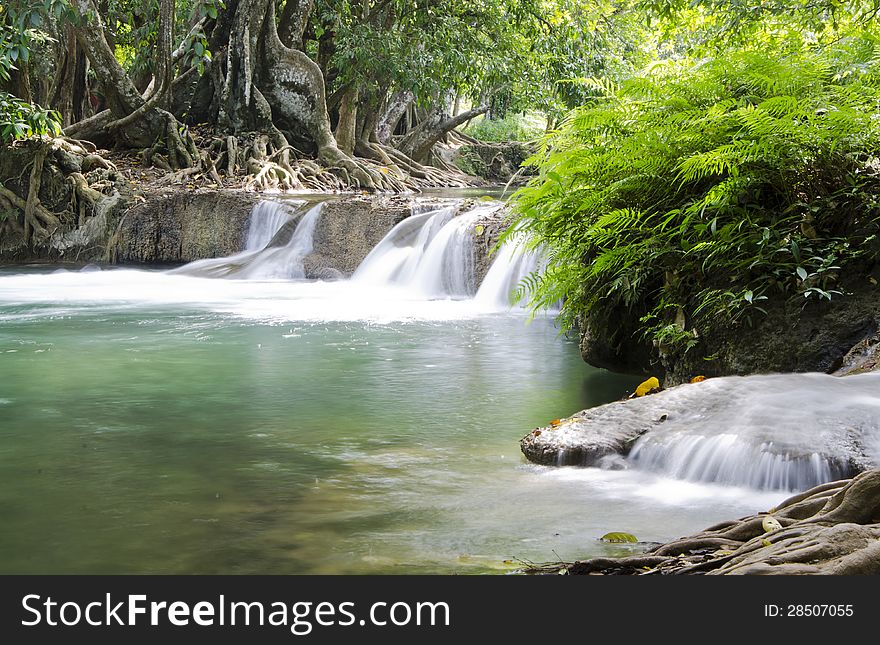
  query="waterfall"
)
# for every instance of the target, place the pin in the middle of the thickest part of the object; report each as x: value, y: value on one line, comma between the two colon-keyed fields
x: 513, y: 262
x: 731, y: 459
x: 266, y: 220
x: 265, y: 256
x: 770, y: 432
x: 431, y: 254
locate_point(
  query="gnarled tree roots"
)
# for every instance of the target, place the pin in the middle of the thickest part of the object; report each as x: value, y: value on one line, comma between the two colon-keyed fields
x: 831, y: 529
x: 266, y: 162
x: 60, y: 160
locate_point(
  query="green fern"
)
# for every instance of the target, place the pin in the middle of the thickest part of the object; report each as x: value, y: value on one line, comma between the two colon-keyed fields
x: 698, y: 191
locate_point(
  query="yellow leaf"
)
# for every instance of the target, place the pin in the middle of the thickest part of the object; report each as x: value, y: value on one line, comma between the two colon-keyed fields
x: 698, y: 379
x: 478, y: 229
x: 766, y: 542
x: 619, y: 538
x: 651, y: 384
x: 770, y: 523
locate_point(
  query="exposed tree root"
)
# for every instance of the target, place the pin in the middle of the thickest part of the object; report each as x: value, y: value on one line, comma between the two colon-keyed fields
x: 830, y: 529
x: 60, y: 160
x: 46, y: 222
x: 31, y: 224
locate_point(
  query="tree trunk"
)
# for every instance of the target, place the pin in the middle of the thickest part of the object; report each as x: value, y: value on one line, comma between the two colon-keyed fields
x: 162, y: 78
x: 20, y: 82
x: 293, y: 22
x: 394, y: 112
x: 346, y: 129
x: 69, y: 93
x: 417, y: 143
x: 136, y: 123
x: 270, y: 86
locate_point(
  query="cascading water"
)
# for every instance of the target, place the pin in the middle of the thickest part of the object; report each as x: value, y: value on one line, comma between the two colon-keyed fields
x: 264, y: 258
x: 513, y: 263
x: 770, y: 432
x: 427, y: 256
x: 373, y: 390
x: 430, y: 253
x: 266, y: 220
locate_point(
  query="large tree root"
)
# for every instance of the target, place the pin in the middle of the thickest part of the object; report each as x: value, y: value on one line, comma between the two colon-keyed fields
x: 831, y: 529
x: 60, y: 160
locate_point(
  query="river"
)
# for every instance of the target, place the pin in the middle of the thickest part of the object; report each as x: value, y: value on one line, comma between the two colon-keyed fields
x: 154, y: 422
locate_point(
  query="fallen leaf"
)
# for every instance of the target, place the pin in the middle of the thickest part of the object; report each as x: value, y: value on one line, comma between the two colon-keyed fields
x: 770, y: 523
x: 644, y: 388
x: 698, y: 379
x: 619, y: 538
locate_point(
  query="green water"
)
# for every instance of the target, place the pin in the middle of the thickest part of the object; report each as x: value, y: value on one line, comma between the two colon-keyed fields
x: 157, y: 424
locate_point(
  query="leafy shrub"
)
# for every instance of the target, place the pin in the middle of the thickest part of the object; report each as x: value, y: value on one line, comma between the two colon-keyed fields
x: 19, y: 119
x: 695, y: 192
x: 515, y: 127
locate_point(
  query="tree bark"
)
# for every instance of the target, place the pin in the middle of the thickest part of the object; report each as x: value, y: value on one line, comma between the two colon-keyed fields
x: 293, y: 22
x: 346, y: 129
x: 164, y: 63
x: 135, y: 123
x: 417, y: 144
x: 69, y: 93
x: 394, y: 112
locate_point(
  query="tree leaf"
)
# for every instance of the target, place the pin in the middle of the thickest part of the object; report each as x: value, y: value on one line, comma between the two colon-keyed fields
x: 619, y: 538
x: 646, y: 386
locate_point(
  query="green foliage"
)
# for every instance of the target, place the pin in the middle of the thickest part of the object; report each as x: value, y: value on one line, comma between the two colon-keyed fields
x: 692, y: 194
x: 514, y: 127
x: 135, y: 26
x: 19, y: 119
x: 21, y: 24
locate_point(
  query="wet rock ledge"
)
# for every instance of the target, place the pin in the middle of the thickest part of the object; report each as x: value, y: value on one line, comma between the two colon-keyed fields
x: 806, y: 418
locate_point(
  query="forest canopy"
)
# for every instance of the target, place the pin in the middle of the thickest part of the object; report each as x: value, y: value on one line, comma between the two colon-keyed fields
x: 364, y: 88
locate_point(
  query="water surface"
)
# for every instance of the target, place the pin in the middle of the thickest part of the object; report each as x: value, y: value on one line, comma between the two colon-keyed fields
x: 154, y: 423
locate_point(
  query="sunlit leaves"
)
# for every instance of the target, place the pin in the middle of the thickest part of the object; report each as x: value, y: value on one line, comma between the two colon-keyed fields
x: 694, y: 194
x: 19, y: 119
x: 21, y: 23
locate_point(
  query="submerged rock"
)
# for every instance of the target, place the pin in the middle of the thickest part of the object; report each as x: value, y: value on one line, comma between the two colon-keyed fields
x: 774, y: 432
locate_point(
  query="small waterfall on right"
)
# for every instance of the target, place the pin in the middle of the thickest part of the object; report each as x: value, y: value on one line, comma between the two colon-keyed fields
x: 513, y: 262
x: 767, y: 432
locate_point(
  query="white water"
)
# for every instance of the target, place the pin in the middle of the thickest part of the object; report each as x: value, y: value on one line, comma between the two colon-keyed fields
x: 266, y: 220
x: 261, y: 259
x: 769, y: 432
x: 513, y: 263
x: 429, y: 254
x: 766, y: 433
